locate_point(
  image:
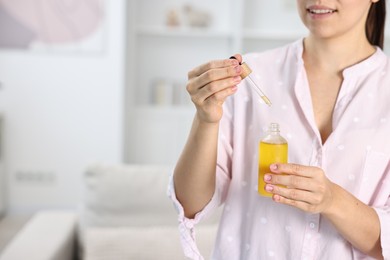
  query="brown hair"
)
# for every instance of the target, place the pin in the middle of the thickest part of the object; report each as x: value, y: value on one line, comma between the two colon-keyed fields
x: 375, y: 25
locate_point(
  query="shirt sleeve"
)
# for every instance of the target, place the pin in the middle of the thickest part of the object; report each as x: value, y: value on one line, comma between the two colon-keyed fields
x: 187, y: 225
x: 384, y: 219
x: 223, y: 177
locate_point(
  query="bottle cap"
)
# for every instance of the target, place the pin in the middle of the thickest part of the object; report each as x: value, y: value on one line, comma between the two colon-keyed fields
x: 245, y: 70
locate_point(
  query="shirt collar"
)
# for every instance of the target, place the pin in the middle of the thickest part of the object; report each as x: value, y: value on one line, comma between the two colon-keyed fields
x: 362, y: 68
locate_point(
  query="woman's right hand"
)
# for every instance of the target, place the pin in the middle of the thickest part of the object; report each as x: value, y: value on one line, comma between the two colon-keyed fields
x: 210, y: 84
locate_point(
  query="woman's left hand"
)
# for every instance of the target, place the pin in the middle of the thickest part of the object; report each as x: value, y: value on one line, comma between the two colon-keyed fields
x: 306, y: 187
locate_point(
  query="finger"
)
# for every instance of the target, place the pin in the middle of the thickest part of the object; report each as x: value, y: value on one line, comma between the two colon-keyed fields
x: 213, y: 78
x: 212, y: 65
x: 295, y: 203
x: 291, y: 181
x: 293, y: 169
x: 218, y: 90
x: 218, y: 74
x: 221, y: 96
x: 237, y: 57
x: 293, y: 194
x: 216, y: 86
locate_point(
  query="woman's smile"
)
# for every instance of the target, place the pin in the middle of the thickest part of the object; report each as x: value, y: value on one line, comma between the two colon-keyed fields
x: 320, y: 12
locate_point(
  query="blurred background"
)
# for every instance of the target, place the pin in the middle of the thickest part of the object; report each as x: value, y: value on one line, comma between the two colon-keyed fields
x: 104, y: 81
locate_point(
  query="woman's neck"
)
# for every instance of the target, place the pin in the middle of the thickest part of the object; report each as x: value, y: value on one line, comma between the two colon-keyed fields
x: 335, y: 54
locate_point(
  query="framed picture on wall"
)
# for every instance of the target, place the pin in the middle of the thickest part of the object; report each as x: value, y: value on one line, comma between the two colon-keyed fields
x: 52, y: 25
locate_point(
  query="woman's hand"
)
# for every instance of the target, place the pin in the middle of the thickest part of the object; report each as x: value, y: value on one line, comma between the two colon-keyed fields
x: 306, y: 187
x: 210, y: 84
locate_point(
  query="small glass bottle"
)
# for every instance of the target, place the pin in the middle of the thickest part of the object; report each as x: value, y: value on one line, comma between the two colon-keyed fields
x: 273, y: 148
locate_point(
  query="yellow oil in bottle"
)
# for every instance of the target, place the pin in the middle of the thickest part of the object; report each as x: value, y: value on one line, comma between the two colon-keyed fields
x: 272, y: 149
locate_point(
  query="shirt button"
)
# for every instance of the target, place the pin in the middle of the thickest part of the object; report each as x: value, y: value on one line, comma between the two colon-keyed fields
x: 312, y: 225
x: 189, y: 224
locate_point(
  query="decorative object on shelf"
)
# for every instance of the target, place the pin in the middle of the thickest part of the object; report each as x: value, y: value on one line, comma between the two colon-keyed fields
x: 168, y: 92
x: 173, y: 18
x: 189, y: 16
x: 196, y: 17
x: 161, y: 92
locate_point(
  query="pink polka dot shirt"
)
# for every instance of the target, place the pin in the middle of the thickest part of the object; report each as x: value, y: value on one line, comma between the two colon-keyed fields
x: 356, y: 156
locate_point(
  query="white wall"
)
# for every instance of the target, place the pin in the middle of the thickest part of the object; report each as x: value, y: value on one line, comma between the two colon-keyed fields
x: 62, y: 111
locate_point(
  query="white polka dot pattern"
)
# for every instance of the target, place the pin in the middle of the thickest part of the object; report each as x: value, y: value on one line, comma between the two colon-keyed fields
x: 349, y: 156
x: 340, y: 147
x: 288, y: 229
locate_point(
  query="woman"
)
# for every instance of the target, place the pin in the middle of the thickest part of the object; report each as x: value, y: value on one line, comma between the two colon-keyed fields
x: 330, y: 95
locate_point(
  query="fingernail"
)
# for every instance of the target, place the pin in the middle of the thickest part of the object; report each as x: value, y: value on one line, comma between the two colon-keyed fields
x: 234, y: 88
x: 267, y: 177
x: 238, y: 69
x: 234, y: 58
x: 237, y: 79
x: 273, y: 167
x: 269, y: 188
x: 235, y: 63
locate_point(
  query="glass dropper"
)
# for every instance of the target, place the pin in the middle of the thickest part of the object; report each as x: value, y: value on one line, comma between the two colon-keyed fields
x: 246, y: 71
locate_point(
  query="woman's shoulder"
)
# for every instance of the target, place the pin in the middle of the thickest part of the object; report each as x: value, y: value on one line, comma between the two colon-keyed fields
x: 385, y: 58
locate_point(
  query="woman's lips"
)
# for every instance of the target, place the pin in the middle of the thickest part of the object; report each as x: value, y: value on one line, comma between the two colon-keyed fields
x: 320, y: 12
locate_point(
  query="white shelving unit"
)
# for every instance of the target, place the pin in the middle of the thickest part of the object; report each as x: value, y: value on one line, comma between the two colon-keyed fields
x: 2, y: 172
x: 159, y: 110
x: 184, y: 32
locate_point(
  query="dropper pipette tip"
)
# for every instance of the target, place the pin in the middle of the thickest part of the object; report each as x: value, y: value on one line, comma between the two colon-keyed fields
x: 266, y: 100
x: 259, y: 91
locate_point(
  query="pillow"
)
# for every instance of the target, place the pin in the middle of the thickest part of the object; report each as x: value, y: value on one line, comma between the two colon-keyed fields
x: 126, y: 208
x: 127, y: 195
